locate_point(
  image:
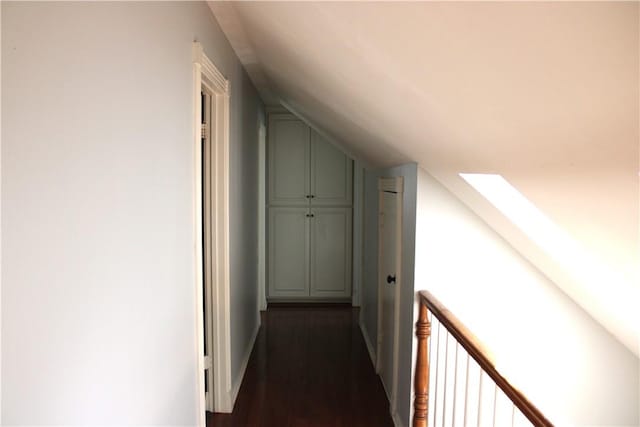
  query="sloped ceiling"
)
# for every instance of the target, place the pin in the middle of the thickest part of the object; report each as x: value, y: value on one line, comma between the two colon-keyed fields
x: 544, y: 94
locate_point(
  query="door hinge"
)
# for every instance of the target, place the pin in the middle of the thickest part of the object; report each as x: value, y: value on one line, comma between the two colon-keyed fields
x: 204, y: 131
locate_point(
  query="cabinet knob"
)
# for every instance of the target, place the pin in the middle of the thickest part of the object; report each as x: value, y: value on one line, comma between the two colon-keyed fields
x: 309, y: 215
x: 308, y: 196
x: 391, y: 279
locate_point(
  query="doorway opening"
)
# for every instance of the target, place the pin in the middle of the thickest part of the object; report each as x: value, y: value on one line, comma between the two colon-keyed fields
x: 207, y: 220
x: 211, y: 237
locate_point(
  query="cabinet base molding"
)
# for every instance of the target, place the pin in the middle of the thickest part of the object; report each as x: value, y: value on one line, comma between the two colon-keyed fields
x: 309, y: 300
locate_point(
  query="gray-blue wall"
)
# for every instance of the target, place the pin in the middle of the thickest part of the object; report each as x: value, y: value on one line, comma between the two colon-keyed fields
x: 98, y: 298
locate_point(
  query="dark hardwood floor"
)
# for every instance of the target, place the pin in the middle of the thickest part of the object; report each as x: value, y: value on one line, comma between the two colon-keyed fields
x: 309, y: 367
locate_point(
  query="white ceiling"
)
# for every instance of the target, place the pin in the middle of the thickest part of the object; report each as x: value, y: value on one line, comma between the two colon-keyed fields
x: 544, y: 94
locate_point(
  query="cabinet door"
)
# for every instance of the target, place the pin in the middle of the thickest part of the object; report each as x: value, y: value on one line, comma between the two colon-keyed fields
x: 288, y: 161
x: 331, y: 173
x: 330, y: 230
x: 288, y: 252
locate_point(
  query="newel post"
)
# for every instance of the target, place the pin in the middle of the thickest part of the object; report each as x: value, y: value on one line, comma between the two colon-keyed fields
x: 421, y: 380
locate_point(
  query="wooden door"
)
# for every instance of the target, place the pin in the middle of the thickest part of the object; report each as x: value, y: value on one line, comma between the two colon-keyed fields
x: 389, y: 282
x: 288, y: 252
x: 331, y: 174
x: 289, y: 151
x: 330, y: 230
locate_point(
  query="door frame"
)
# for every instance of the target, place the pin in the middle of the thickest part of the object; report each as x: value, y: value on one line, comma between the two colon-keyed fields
x: 206, y: 75
x: 393, y: 185
x: 207, y: 181
x: 262, y: 218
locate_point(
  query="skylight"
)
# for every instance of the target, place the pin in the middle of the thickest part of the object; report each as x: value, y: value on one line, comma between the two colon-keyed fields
x: 600, y: 288
x: 519, y: 210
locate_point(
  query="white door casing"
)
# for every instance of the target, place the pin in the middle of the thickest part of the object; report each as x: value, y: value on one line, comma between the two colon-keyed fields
x: 389, y: 283
x: 207, y: 76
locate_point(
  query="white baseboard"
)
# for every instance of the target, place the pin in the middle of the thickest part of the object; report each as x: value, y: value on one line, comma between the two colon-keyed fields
x: 367, y: 341
x: 237, y: 382
x: 396, y: 420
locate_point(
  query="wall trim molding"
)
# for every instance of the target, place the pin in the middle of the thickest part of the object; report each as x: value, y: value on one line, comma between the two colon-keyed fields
x: 206, y: 75
x: 209, y: 69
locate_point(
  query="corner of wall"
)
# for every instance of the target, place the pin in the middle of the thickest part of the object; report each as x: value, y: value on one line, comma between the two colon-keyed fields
x: 367, y: 340
x: 397, y: 421
x: 237, y: 381
x: 358, y: 229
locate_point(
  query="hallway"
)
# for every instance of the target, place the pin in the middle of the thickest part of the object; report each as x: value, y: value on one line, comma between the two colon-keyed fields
x: 309, y: 367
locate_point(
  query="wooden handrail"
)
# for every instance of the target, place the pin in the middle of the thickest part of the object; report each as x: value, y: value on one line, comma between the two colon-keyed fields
x: 475, y: 349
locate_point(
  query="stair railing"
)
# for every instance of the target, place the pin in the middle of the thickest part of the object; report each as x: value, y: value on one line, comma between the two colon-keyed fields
x: 466, y: 389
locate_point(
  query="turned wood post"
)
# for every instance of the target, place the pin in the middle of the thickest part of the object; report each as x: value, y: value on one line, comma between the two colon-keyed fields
x: 421, y: 380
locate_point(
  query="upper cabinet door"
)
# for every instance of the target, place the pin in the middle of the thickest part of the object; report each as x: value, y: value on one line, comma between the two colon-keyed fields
x: 289, y: 174
x: 331, y: 174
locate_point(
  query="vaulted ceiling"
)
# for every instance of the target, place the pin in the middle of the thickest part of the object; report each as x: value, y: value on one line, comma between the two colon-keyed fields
x: 544, y: 94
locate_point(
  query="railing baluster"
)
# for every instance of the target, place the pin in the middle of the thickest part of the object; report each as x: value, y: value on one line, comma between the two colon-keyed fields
x: 432, y: 367
x: 421, y: 381
x: 444, y: 390
x: 427, y: 394
x: 495, y: 402
x: 466, y: 392
x: 455, y: 386
x: 479, y: 399
x: 429, y: 338
x: 437, y: 365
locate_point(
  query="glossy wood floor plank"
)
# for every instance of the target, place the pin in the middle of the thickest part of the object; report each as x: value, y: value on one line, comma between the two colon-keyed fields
x: 309, y: 368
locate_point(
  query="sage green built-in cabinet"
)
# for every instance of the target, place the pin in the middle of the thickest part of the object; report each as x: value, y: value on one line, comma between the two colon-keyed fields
x: 288, y: 252
x: 310, y: 214
x: 305, y: 169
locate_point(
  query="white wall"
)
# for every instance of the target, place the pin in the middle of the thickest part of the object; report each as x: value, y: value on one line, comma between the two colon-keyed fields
x: 570, y: 367
x: 98, y: 301
x: 247, y: 108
